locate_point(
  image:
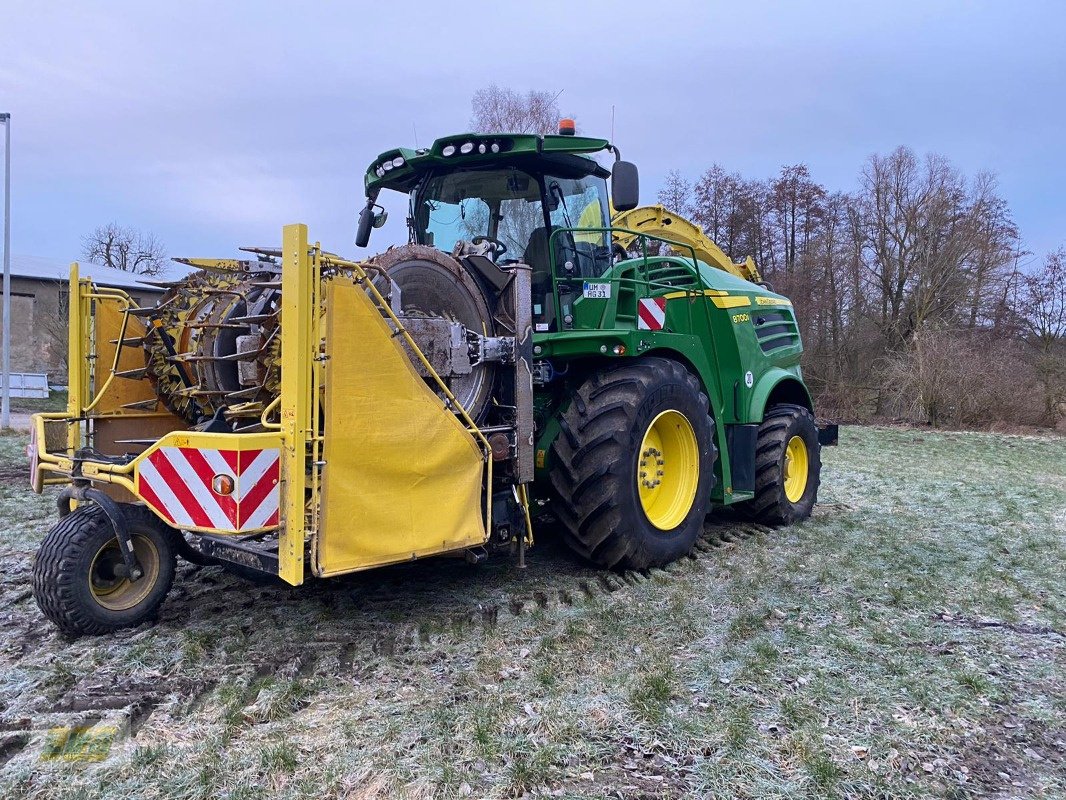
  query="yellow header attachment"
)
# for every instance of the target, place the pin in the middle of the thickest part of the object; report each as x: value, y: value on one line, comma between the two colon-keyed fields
x: 657, y: 221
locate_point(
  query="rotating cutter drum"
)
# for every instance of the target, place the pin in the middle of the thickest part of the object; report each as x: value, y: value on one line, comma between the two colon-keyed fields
x: 434, y: 285
x: 215, y: 338
x: 212, y: 342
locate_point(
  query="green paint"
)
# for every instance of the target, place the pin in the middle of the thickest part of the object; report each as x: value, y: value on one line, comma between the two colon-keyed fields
x: 739, y: 338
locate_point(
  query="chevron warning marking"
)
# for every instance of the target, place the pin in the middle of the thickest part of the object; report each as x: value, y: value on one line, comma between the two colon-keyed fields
x: 177, y: 483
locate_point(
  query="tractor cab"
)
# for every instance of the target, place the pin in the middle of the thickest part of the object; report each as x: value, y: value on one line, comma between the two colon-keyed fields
x: 539, y: 201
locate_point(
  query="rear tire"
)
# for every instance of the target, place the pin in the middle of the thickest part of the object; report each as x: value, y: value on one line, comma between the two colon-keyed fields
x: 788, y: 467
x: 75, y: 582
x: 621, y: 504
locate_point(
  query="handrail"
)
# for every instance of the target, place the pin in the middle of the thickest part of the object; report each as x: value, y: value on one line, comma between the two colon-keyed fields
x: 270, y: 426
x: 126, y: 303
x: 643, y: 238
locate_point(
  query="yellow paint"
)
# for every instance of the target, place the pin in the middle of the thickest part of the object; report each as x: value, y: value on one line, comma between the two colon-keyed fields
x: 77, y: 366
x: 403, y: 476
x: 657, y: 221
x: 668, y: 470
x: 117, y: 593
x: 297, y: 299
x: 772, y: 301
x: 110, y: 322
x: 697, y: 293
x: 797, y: 466
x: 733, y: 301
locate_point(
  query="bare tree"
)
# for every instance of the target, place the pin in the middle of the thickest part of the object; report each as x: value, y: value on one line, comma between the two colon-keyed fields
x: 676, y: 194
x: 500, y: 110
x: 796, y: 205
x: 719, y: 208
x: 125, y: 249
x: 1043, y: 312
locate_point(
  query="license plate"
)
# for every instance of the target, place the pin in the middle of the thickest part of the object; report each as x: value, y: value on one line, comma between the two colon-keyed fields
x: 596, y: 291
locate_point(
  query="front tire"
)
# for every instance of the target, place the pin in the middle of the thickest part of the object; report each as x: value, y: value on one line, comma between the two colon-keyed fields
x: 788, y: 467
x: 77, y: 575
x: 633, y: 467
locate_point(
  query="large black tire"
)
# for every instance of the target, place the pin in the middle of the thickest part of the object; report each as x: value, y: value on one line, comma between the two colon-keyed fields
x: 72, y: 578
x: 771, y: 504
x: 596, y: 458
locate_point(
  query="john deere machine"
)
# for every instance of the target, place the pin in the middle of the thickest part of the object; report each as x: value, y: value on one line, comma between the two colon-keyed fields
x: 297, y: 413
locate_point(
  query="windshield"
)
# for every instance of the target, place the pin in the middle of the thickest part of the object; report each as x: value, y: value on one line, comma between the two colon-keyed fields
x: 509, y: 205
x: 503, y: 204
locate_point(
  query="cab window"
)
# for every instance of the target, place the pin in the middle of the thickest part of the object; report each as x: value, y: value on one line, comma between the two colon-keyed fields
x: 580, y: 204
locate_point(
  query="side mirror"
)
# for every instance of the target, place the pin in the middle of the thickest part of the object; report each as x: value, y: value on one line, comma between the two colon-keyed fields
x: 366, y: 224
x: 625, y: 186
x: 369, y: 219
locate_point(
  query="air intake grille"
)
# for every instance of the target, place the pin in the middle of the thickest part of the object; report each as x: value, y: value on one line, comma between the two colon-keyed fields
x: 775, y: 330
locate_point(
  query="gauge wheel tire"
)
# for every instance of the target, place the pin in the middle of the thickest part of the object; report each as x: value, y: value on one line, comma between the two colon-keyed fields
x: 788, y: 467
x: 633, y: 466
x: 74, y: 581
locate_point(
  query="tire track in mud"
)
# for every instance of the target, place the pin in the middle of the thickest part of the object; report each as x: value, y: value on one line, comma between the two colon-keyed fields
x: 389, y: 614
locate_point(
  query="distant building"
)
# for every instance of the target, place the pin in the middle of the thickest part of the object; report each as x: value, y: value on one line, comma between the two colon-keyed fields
x: 39, y: 292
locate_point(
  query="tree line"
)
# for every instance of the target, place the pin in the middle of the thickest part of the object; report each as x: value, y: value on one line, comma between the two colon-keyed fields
x: 915, y: 296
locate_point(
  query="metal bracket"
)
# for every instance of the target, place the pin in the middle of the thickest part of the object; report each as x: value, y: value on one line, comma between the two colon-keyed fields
x: 82, y: 491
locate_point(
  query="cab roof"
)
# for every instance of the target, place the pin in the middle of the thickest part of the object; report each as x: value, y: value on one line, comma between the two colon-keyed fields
x: 400, y: 169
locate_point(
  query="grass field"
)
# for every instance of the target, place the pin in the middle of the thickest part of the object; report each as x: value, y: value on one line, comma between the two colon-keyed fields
x: 907, y: 641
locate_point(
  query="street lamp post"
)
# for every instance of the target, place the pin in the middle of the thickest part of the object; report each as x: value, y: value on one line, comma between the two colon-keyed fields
x: 5, y: 402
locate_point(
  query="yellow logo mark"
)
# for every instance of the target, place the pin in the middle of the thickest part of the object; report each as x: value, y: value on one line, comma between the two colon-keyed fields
x: 772, y: 301
x: 78, y: 743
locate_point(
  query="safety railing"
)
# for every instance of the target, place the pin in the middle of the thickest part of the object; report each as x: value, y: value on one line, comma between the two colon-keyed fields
x: 644, y: 284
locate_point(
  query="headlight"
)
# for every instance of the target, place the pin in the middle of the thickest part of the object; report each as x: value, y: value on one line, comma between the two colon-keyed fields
x: 387, y: 166
x: 481, y: 148
x: 379, y: 172
x: 495, y: 147
x: 449, y: 150
x: 398, y: 161
x: 468, y: 147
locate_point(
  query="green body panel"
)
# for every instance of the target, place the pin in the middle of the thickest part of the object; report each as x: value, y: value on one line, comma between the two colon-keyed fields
x: 417, y: 162
x: 740, y: 339
x: 721, y: 326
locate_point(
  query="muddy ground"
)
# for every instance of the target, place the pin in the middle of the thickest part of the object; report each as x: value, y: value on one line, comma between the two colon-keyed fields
x: 907, y: 641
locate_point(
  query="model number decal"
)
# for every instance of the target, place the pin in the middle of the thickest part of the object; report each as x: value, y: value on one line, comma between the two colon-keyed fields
x: 739, y: 318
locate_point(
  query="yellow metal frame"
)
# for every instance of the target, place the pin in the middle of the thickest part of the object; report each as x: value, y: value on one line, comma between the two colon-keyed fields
x: 292, y: 420
x: 658, y: 221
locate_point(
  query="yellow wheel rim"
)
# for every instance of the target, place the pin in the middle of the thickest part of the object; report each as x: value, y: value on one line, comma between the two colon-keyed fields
x: 797, y: 466
x: 110, y: 588
x: 668, y: 470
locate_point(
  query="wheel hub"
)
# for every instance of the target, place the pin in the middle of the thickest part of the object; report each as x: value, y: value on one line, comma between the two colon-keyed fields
x: 796, y: 468
x: 668, y: 470
x: 109, y: 583
x: 652, y: 467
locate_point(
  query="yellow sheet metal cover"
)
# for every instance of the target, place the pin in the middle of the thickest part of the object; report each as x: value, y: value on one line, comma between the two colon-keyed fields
x: 403, y: 476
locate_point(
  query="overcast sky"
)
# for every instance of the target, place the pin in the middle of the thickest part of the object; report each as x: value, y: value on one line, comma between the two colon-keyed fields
x: 213, y: 124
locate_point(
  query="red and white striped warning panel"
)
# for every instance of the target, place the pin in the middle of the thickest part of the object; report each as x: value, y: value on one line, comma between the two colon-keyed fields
x: 651, y: 313
x: 224, y: 490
